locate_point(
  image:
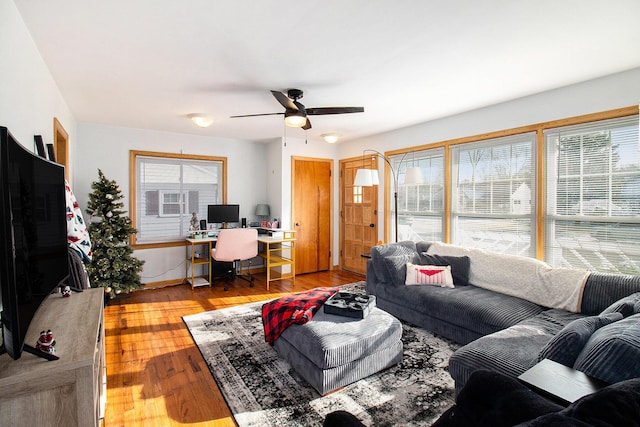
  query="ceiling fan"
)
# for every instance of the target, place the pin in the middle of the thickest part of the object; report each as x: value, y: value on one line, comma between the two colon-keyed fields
x: 295, y: 114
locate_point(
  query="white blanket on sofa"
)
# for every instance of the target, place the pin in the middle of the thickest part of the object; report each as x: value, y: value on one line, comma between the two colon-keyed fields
x: 522, y: 277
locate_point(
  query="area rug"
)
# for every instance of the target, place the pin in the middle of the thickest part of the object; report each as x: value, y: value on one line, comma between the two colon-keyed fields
x: 261, y: 389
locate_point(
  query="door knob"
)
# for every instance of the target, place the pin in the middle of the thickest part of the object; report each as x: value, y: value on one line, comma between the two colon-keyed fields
x: 372, y: 225
x: 297, y: 224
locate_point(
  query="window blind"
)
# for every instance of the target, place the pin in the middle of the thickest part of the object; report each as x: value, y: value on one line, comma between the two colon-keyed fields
x: 420, y: 206
x: 493, y: 194
x: 169, y: 191
x: 592, y: 187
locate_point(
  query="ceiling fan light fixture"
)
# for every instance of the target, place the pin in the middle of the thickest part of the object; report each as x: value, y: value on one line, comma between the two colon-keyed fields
x: 294, y: 119
x: 201, y: 120
x: 330, y: 138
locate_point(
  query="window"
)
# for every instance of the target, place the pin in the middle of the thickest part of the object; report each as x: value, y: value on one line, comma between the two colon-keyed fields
x: 169, y: 188
x: 493, y: 194
x: 421, y: 206
x: 593, y: 196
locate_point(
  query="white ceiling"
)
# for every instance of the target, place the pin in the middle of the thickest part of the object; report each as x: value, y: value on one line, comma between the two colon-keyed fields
x: 150, y: 63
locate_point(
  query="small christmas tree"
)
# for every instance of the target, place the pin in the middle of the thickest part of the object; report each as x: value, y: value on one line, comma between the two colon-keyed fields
x: 113, y: 267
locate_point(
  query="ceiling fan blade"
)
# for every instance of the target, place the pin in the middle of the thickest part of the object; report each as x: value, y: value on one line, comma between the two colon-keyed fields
x: 307, y: 125
x: 333, y: 110
x: 284, y: 100
x: 300, y: 107
x: 256, y: 115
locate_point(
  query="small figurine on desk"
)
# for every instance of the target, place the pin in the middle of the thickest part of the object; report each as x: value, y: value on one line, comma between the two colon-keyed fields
x: 195, y: 224
x: 273, y: 224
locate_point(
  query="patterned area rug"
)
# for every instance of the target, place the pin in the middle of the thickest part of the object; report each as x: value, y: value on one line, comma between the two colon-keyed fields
x: 262, y: 390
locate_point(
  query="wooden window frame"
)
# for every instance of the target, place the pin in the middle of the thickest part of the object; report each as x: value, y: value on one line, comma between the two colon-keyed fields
x: 133, y: 156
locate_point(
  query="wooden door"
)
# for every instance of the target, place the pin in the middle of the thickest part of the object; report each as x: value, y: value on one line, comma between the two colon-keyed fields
x: 312, y: 213
x: 358, y: 215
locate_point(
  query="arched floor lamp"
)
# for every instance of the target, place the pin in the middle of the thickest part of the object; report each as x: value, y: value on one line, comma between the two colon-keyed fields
x: 369, y: 177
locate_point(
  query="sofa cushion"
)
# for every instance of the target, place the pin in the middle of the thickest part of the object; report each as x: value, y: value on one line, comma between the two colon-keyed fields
x: 605, y: 289
x: 490, y: 399
x: 567, y: 344
x: 459, y: 266
x: 510, y: 351
x: 389, y: 261
x: 613, y: 351
x: 613, y: 406
x: 396, y: 268
x: 627, y: 306
x: 432, y: 275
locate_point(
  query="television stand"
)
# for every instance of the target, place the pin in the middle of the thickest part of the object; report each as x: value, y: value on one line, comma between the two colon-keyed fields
x: 71, y: 391
x: 32, y: 350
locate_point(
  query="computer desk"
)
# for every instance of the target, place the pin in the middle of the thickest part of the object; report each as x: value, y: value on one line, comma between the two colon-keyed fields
x: 278, y: 251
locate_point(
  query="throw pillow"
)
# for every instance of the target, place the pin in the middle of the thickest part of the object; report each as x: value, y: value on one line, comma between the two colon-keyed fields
x: 612, y: 352
x: 460, y: 266
x: 628, y: 305
x: 567, y: 344
x: 429, y: 275
x: 396, y: 267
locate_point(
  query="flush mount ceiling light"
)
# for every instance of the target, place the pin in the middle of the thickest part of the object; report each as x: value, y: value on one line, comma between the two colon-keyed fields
x: 330, y: 138
x: 201, y: 120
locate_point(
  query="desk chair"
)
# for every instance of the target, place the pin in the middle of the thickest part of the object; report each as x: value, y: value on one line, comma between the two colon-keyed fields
x: 234, y: 245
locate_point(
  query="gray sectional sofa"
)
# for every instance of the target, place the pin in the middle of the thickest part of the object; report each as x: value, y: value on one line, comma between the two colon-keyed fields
x: 508, y: 312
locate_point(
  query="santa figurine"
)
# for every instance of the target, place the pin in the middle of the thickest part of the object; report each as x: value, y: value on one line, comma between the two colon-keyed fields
x: 46, y: 343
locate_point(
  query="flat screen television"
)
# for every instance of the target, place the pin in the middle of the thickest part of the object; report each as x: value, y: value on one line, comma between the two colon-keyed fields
x: 223, y: 214
x: 33, y: 239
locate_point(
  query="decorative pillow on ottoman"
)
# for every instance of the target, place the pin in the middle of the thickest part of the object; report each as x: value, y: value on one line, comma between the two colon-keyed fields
x: 567, y: 344
x: 613, y: 351
x: 429, y: 275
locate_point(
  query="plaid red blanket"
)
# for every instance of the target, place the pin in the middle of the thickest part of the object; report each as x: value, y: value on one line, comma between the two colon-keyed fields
x: 280, y: 313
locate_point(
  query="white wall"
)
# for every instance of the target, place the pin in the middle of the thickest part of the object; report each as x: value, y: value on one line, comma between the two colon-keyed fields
x: 29, y: 97
x: 107, y: 148
x: 607, y: 93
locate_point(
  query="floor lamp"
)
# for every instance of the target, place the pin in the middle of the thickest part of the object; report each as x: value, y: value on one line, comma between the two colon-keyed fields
x: 369, y: 178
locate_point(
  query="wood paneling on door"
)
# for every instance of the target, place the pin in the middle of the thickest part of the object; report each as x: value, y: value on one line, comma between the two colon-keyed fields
x: 312, y: 214
x: 358, y: 219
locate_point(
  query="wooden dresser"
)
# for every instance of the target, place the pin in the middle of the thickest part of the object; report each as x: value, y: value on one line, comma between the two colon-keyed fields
x: 70, y: 391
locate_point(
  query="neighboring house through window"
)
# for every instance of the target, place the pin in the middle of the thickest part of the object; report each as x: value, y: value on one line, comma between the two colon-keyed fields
x: 169, y: 189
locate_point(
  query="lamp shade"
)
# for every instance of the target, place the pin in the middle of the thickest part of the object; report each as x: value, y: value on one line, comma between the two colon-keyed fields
x: 366, y: 178
x: 413, y: 175
x: 263, y: 210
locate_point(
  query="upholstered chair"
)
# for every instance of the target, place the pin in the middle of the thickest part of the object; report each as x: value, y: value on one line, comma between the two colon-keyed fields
x: 235, y: 245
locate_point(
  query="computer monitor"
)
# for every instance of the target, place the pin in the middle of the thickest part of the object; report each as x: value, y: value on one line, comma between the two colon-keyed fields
x: 223, y: 214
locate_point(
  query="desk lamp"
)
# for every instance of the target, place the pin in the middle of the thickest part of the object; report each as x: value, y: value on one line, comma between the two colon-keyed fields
x: 263, y: 212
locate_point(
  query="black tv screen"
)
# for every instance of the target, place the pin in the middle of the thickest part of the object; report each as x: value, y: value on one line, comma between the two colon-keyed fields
x: 33, y: 237
x: 219, y: 214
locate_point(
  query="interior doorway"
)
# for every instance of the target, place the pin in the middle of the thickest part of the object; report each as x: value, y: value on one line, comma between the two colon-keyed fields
x: 61, y: 146
x: 358, y: 215
x: 312, y: 199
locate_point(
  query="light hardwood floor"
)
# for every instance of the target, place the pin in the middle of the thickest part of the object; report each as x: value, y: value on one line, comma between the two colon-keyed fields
x: 155, y: 373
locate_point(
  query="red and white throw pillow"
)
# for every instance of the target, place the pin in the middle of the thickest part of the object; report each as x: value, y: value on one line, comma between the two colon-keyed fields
x: 429, y: 275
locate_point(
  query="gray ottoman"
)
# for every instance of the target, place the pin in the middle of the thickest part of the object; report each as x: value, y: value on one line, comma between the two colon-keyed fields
x: 332, y: 351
